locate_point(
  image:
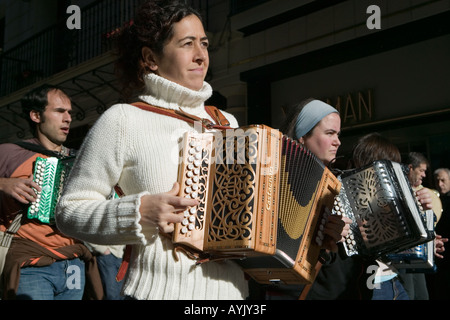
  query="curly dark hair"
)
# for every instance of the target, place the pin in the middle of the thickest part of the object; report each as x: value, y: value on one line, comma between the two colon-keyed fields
x: 152, y: 27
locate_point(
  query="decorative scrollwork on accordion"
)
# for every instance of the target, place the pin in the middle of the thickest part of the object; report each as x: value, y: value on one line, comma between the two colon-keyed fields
x: 386, y: 216
x: 231, y: 214
x: 262, y: 197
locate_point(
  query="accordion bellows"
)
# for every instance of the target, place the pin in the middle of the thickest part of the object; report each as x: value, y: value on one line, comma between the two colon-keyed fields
x: 262, y: 199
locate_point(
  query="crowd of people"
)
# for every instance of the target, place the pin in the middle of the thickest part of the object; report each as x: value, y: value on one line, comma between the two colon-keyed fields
x: 121, y: 199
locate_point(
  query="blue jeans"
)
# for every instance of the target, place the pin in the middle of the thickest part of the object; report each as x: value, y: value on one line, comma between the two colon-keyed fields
x: 390, y: 290
x: 108, y: 266
x: 62, y: 280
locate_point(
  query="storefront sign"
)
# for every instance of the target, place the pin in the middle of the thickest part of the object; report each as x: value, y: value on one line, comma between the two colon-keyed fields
x: 355, y: 108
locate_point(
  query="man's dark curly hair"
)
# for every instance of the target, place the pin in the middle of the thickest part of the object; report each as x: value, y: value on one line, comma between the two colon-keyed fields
x: 152, y: 27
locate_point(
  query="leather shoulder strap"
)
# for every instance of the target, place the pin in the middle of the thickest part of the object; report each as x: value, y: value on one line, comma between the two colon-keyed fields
x: 221, y: 122
x: 218, y: 116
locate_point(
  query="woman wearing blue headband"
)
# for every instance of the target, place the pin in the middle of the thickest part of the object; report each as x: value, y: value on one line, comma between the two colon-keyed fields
x: 317, y: 125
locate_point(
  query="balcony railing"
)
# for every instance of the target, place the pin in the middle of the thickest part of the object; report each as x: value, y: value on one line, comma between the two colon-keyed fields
x: 58, y: 48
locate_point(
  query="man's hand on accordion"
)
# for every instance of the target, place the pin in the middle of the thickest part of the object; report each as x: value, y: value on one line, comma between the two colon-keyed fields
x: 424, y: 197
x: 439, y: 246
x: 164, y: 209
x: 20, y: 189
x: 336, y: 228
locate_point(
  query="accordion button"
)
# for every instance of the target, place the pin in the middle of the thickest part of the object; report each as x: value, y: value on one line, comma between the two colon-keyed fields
x: 188, y: 190
x: 190, y: 159
x: 186, y: 214
x: 191, y: 227
x: 189, y: 182
x: 189, y: 174
x: 190, y: 166
x: 194, y: 195
x: 185, y: 222
x: 193, y: 210
x: 197, y: 171
x: 192, y: 151
x: 196, y: 179
x: 191, y: 219
x: 184, y: 230
x: 319, y: 241
x: 195, y: 187
x: 197, y: 163
x: 198, y: 149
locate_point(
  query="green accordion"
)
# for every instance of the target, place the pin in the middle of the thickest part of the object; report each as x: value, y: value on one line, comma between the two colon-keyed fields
x: 49, y: 174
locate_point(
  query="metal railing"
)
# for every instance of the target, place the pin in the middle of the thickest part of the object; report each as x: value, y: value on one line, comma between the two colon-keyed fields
x: 58, y: 48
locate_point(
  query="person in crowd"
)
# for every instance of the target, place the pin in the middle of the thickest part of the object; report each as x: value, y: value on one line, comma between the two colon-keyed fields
x: 317, y: 126
x: 163, y: 57
x: 442, y: 177
x: 418, y: 165
x: 371, y: 147
x: 440, y: 281
x: 42, y: 263
x: 341, y: 277
x: 415, y: 283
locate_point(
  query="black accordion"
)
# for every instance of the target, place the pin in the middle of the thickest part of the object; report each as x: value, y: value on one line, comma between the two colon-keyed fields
x: 49, y: 174
x: 418, y: 259
x: 263, y: 201
x: 386, y: 215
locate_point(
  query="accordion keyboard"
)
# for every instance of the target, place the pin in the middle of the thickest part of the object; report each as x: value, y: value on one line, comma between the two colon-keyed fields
x: 49, y: 174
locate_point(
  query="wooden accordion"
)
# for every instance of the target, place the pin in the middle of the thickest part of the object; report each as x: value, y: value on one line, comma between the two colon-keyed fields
x: 386, y: 215
x: 49, y: 174
x: 262, y: 198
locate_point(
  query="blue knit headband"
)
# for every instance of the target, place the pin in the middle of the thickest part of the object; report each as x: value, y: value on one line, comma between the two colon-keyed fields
x: 310, y: 115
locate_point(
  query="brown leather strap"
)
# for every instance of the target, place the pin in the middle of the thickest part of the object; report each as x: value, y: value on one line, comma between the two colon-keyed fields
x: 124, y: 265
x: 217, y: 115
x: 222, y: 122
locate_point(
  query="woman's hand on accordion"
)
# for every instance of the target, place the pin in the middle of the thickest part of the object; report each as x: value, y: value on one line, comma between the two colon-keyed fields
x: 165, y: 209
x: 336, y: 229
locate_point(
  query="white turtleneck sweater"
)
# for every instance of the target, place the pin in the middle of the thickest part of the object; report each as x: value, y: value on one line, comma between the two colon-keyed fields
x: 139, y: 150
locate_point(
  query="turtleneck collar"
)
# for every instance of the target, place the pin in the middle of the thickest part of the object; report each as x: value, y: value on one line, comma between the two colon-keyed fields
x: 167, y: 94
